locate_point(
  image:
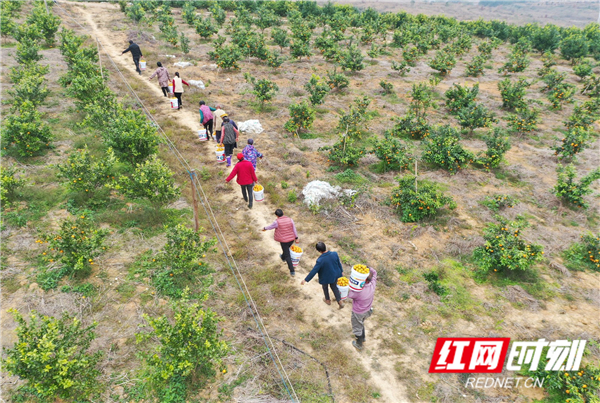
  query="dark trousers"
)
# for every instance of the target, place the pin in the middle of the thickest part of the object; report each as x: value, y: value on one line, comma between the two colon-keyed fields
x: 209, y: 128
x: 229, y: 149
x: 136, y: 60
x: 247, y: 193
x: 336, y: 291
x: 178, y: 96
x: 285, y: 247
x: 165, y: 91
x: 218, y: 135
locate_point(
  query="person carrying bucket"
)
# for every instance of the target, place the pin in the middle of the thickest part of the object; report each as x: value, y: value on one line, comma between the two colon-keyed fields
x: 218, y: 114
x: 206, y: 118
x: 136, y: 53
x: 285, y: 234
x: 329, y: 268
x: 362, y: 302
x: 178, y: 88
x: 229, y: 139
x: 163, y: 78
x: 245, y: 178
x: 251, y: 154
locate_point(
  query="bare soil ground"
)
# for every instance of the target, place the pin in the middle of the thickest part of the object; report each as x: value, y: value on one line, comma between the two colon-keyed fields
x: 408, y: 317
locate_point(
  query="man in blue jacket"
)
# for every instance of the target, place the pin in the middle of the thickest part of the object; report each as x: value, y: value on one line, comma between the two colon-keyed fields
x: 330, y: 269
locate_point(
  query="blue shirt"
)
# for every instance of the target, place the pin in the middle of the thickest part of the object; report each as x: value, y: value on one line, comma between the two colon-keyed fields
x: 329, y: 268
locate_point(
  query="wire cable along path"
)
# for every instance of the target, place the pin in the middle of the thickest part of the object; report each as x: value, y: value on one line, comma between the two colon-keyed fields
x: 287, y: 385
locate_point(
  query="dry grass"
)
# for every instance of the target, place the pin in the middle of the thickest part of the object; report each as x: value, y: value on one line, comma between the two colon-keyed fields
x: 368, y: 232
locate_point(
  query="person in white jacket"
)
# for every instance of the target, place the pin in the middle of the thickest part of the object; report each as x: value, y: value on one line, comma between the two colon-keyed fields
x: 178, y: 88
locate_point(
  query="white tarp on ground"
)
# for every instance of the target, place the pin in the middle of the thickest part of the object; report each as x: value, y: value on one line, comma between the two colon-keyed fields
x: 316, y: 191
x: 182, y: 64
x: 197, y: 83
x: 250, y: 127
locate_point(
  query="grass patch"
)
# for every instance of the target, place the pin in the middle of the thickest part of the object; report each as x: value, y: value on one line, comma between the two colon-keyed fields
x: 307, y: 135
x: 146, y: 219
x: 350, y: 177
x: 126, y: 291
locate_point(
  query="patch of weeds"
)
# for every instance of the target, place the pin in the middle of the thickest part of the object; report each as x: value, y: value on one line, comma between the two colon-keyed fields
x: 136, y: 392
x: 48, y: 278
x: 433, y: 281
x: 510, y: 177
x: 458, y: 301
x: 584, y: 254
x: 226, y: 390
x: 85, y: 289
x: 307, y: 135
x: 149, y: 220
x: 529, y: 279
x: 407, y: 275
x: 10, y: 284
x: 346, y: 259
x: 426, y: 391
x: 126, y: 290
x: 292, y: 196
x: 274, y: 195
x: 350, y: 177
x: 39, y: 202
x: 284, y: 185
x: 499, y: 202
x: 384, y: 275
x: 205, y: 174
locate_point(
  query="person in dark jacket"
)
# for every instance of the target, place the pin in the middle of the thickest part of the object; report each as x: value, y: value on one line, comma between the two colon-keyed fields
x: 329, y: 268
x: 245, y: 178
x: 136, y: 53
x: 229, y: 138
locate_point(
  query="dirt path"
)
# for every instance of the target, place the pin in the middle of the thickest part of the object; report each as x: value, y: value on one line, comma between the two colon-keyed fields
x: 373, y: 358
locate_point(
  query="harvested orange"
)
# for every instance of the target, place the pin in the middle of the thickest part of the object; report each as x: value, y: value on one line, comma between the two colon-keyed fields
x: 361, y: 268
x: 342, y: 282
x: 257, y: 188
x: 296, y: 249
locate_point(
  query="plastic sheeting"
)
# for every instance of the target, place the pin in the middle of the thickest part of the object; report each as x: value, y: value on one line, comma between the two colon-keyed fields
x: 250, y: 127
x: 316, y: 191
x: 197, y: 83
x: 182, y: 64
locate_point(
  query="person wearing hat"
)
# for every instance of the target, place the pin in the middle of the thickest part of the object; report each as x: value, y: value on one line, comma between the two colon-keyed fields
x: 136, y: 53
x: 218, y: 114
x: 251, y: 154
x: 245, y: 178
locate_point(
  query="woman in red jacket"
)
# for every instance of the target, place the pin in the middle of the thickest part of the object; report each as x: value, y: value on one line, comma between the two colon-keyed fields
x: 285, y: 234
x: 245, y: 177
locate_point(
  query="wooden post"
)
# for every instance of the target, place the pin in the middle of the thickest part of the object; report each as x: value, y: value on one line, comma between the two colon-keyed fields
x: 194, y: 201
x: 99, y: 57
x: 416, y: 173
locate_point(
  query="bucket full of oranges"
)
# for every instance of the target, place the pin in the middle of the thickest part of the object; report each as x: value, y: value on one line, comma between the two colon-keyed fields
x: 295, y: 254
x: 259, y: 192
x: 344, y: 286
x: 220, y: 154
x: 359, y: 274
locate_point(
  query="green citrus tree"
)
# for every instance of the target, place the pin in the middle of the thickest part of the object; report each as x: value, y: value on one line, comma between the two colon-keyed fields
x: 151, y: 180
x: 187, y: 351
x: 52, y: 356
